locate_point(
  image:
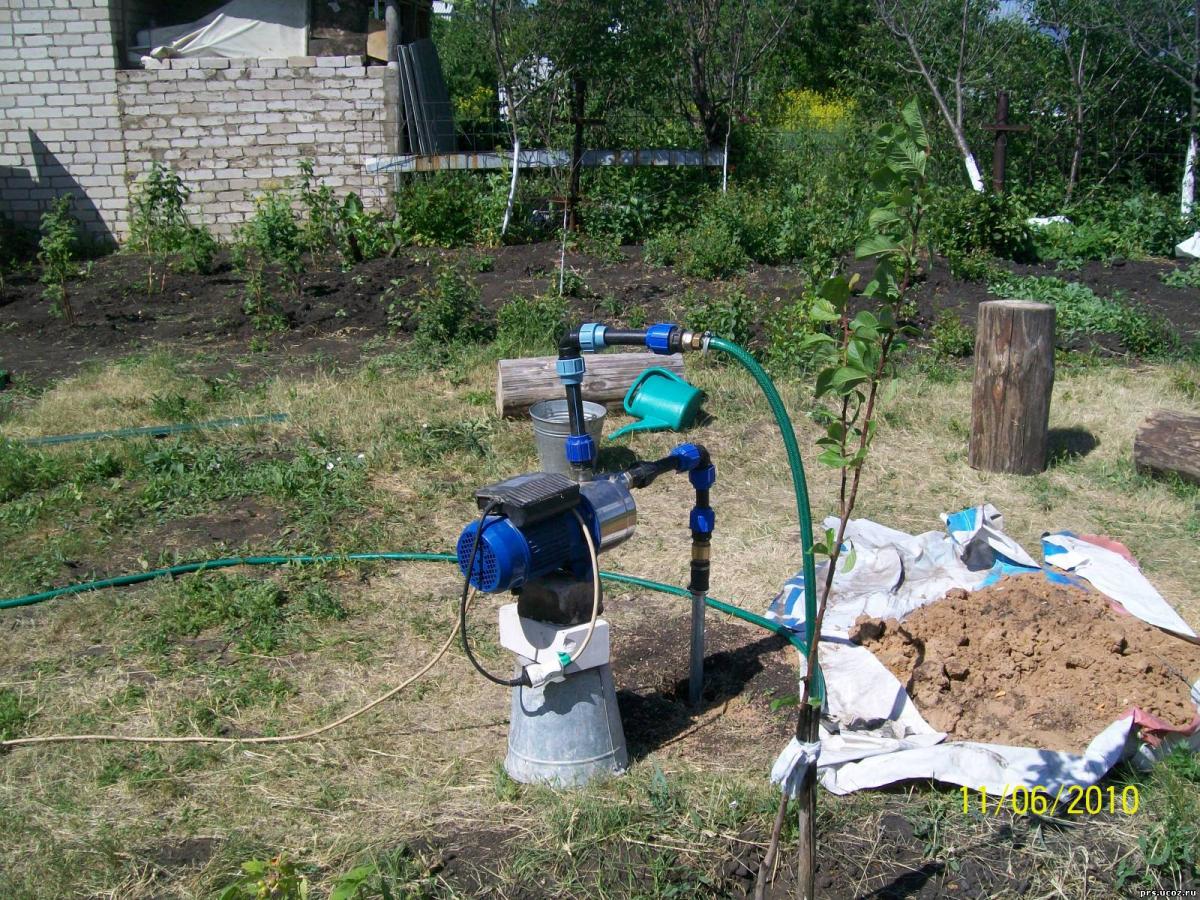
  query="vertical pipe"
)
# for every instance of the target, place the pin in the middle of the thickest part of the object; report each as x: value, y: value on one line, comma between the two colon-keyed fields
x: 696, y: 667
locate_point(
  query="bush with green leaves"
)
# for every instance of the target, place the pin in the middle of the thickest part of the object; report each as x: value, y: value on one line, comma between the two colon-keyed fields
x: 968, y: 224
x: 447, y: 209
x: 272, y: 235
x: 711, y: 250
x: 447, y: 312
x: 1081, y: 311
x: 627, y: 205
x: 57, y: 254
x: 529, y: 325
x: 1137, y: 226
x: 342, y: 226
x: 950, y: 337
x: 159, y: 223
x: 789, y: 329
x: 729, y: 313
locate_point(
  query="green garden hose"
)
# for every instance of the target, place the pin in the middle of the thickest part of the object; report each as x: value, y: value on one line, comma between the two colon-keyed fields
x: 799, y: 487
x: 188, y: 568
x: 152, y: 430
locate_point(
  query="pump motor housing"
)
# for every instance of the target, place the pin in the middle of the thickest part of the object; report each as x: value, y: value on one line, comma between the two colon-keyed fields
x: 510, y: 554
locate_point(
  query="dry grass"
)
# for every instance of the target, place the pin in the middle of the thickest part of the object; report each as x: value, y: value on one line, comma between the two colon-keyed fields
x: 103, y: 820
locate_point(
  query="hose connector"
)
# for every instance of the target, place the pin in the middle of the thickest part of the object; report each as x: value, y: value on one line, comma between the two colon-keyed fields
x: 658, y: 337
x: 570, y: 370
x: 591, y: 337
x: 581, y: 450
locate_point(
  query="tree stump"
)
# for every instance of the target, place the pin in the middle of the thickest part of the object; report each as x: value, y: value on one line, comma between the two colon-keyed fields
x: 1014, y: 374
x: 1168, y: 443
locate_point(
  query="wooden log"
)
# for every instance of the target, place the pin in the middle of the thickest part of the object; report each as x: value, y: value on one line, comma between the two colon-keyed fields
x: 1014, y: 375
x: 520, y: 383
x: 1168, y: 443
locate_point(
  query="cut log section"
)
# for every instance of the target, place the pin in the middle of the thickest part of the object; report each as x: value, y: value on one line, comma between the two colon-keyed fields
x: 1168, y: 443
x: 1014, y: 375
x: 520, y: 383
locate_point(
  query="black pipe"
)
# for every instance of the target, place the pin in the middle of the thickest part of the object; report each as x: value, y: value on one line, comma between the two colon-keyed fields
x: 575, y: 409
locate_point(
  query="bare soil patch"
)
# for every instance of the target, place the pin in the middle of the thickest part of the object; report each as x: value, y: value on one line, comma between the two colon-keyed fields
x: 1030, y: 663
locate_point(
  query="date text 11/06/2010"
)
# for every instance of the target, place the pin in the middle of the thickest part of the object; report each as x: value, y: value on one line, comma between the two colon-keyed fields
x: 1071, y: 800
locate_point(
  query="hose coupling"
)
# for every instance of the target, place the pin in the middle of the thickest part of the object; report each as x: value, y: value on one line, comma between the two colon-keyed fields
x: 694, y: 340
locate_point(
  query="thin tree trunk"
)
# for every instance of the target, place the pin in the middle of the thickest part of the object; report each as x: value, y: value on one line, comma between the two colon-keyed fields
x: 960, y: 138
x: 512, y: 185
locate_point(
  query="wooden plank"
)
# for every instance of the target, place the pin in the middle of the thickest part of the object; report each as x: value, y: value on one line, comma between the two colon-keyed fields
x: 520, y: 383
x: 1168, y: 443
x: 1014, y: 375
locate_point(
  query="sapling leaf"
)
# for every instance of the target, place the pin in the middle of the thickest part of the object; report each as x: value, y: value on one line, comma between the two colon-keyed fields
x: 849, y: 561
x: 876, y: 245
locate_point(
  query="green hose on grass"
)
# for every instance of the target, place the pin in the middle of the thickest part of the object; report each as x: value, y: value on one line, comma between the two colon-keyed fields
x: 188, y: 568
x: 799, y: 487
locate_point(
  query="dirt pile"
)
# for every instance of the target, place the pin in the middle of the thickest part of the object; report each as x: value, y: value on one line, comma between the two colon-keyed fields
x: 1030, y: 663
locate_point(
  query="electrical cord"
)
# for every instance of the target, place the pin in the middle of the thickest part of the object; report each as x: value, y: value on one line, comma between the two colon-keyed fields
x: 522, y: 679
x: 591, y: 545
x: 274, y: 739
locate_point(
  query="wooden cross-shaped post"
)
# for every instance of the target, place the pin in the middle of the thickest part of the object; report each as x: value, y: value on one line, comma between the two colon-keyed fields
x: 578, y: 101
x: 1000, y: 150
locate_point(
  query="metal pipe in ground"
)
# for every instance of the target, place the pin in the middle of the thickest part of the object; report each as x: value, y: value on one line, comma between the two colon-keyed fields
x: 696, y: 668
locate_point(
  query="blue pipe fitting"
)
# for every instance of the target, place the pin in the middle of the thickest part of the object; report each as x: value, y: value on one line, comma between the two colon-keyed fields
x: 570, y: 371
x: 687, y: 457
x: 703, y: 479
x: 658, y: 337
x: 702, y: 520
x: 591, y: 337
x: 581, y: 449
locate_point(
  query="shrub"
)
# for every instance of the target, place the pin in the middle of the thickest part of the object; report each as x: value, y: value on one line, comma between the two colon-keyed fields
x: 56, y: 253
x: 446, y: 210
x: 273, y: 234
x: 730, y: 314
x: 711, y: 250
x: 662, y: 248
x: 447, y: 313
x: 1134, y: 227
x: 963, y: 224
x: 525, y: 325
x: 159, y: 224
x: 1081, y: 311
x: 788, y: 331
x: 344, y: 227
x: 628, y: 205
x: 950, y: 337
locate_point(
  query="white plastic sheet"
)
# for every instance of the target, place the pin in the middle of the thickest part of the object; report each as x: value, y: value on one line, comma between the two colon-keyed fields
x: 241, y: 29
x: 874, y: 735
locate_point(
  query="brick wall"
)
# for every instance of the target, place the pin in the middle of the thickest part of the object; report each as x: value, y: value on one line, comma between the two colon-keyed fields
x: 71, y: 122
x: 59, y: 127
x: 231, y: 128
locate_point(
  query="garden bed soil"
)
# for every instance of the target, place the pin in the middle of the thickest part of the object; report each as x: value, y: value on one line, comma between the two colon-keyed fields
x: 338, y: 316
x: 1029, y: 663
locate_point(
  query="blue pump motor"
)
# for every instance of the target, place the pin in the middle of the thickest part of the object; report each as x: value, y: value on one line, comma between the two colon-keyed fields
x: 508, y: 555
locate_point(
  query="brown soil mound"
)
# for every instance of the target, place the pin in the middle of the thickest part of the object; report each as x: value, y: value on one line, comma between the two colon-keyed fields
x: 1033, y: 664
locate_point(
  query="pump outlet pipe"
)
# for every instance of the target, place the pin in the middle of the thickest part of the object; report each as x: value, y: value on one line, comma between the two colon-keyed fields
x: 666, y: 338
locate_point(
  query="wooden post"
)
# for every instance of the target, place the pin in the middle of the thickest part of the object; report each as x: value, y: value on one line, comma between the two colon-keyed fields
x: 391, y: 19
x: 1014, y: 375
x: 1168, y: 443
x: 1000, y: 149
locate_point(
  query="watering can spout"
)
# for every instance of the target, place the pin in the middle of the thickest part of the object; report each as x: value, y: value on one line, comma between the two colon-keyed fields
x: 660, y: 400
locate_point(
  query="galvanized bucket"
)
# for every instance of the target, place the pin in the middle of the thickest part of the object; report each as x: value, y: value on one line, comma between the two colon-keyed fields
x: 552, y: 424
x: 566, y: 733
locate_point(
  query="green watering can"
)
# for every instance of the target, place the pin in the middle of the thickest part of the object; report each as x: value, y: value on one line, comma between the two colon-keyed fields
x: 661, y: 400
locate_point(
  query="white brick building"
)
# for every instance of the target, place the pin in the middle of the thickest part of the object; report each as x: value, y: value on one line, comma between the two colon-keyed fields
x: 74, y: 120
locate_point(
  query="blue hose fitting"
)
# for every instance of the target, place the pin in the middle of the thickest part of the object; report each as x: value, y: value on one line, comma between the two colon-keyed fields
x: 591, y: 337
x: 704, y: 478
x: 581, y: 449
x: 658, y: 337
x: 687, y: 457
x: 570, y: 371
x: 702, y: 520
